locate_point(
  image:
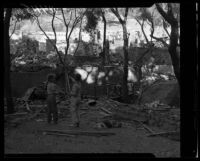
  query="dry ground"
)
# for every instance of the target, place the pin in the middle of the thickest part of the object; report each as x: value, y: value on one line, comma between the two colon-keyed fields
x: 26, y: 139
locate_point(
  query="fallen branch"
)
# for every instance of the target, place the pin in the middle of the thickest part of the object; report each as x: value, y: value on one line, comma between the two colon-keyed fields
x: 105, y: 110
x: 27, y: 107
x: 147, y: 128
x: 104, y: 114
x: 16, y: 114
x: 111, y: 104
x: 53, y: 133
x: 83, y: 113
x: 164, y: 133
x: 36, y: 113
x: 118, y: 103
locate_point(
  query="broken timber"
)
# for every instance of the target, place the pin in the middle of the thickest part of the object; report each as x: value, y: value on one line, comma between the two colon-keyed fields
x: 87, y: 133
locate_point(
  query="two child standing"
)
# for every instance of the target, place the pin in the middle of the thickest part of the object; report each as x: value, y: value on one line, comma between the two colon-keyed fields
x: 52, y: 90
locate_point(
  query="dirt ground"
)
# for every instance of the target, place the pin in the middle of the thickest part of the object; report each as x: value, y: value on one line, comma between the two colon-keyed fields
x: 27, y: 138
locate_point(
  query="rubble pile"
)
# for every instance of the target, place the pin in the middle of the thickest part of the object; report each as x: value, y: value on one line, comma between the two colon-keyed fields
x: 113, y: 114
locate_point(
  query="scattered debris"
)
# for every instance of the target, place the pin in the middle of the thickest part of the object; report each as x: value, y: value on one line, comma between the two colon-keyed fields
x: 108, y: 124
x: 39, y: 120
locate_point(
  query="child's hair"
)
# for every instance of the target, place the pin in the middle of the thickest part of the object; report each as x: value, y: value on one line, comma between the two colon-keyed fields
x: 51, y: 77
x: 77, y: 77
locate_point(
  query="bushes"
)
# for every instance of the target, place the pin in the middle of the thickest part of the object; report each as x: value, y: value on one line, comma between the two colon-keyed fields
x: 27, y: 45
x: 85, y: 48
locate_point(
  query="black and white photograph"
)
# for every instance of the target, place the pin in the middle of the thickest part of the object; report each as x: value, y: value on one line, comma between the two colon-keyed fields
x: 92, y: 80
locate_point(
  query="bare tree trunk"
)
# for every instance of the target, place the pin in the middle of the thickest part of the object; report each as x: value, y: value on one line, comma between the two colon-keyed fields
x: 125, y: 76
x: 125, y: 37
x: 174, y: 36
x: 173, y: 52
x: 104, y: 39
x: 66, y: 80
x: 8, y: 91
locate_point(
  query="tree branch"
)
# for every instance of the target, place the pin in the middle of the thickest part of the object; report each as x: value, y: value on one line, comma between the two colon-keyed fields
x: 142, y: 28
x: 152, y: 29
x: 55, y: 16
x: 13, y: 29
x: 164, y: 26
x: 79, y: 39
x: 52, y: 24
x: 67, y: 39
x: 115, y: 11
x: 166, y: 16
x: 66, y: 25
x: 126, y: 14
x: 142, y: 56
x: 161, y: 40
x: 73, y: 26
x: 60, y: 58
x: 76, y: 22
